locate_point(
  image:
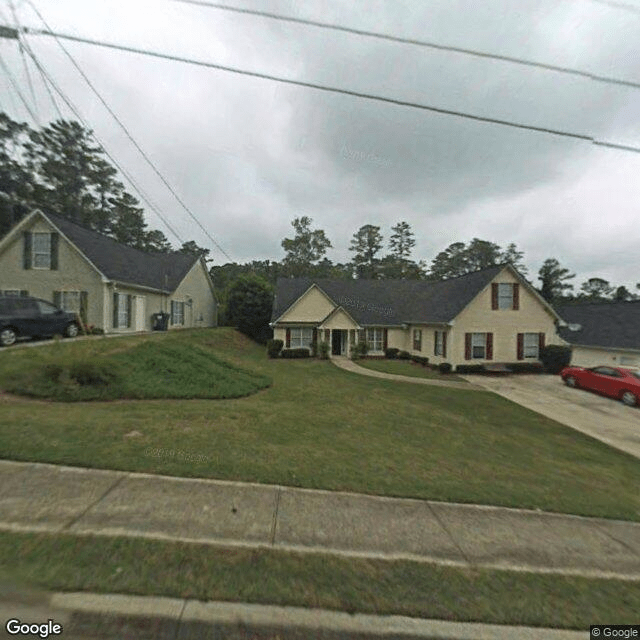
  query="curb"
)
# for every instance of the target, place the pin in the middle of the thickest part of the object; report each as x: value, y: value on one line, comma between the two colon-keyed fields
x: 181, y: 618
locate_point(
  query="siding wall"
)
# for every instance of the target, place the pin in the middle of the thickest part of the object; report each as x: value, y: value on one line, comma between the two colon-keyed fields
x: 195, y: 285
x: 313, y: 306
x: 74, y: 273
x: 505, y: 324
x: 594, y: 356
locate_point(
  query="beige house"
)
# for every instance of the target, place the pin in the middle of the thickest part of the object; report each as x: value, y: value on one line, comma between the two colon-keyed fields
x: 605, y: 333
x: 110, y: 285
x: 490, y: 316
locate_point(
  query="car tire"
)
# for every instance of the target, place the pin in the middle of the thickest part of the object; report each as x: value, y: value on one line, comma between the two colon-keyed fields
x: 8, y: 336
x: 570, y: 381
x: 72, y: 330
x: 629, y: 398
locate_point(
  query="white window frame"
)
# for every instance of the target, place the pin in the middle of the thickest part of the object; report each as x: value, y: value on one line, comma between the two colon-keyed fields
x: 43, y: 252
x: 531, y: 350
x: 478, y: 341
x: 14, y: 293
x: 300, y: 337
x: 177, y: 312
x: 375, y: 339
x: 439, y: 345
x: 65, y: 303
x: 417, y: 337
x: 123, y: 309
x: 505, y: 295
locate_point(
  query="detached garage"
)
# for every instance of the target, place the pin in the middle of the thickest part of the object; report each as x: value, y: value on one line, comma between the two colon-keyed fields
x: 602, y: 333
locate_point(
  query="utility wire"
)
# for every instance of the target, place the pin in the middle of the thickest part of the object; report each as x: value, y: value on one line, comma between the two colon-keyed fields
x: 328, y: 89
x: 418, y: 43
x: 131, y: 138
x: 620, y: 5
x: 24, y: 61
x: 16, y: 88
x: 127, y: 176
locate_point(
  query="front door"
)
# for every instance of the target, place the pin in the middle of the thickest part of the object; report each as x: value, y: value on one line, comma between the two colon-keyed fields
x: 337, y: 342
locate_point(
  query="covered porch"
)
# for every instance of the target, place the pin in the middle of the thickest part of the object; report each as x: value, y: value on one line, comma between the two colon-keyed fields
x: 340, y: 331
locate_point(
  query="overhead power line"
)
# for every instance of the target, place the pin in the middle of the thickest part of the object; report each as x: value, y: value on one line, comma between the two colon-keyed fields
x: 336, y: 90
x: 16, y: 88
x: 625, y: 6
x: 126, y: 175
x: 419, y: 43
x: 130, y: 137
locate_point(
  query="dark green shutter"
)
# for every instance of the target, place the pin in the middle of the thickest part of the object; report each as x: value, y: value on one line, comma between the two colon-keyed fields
x: 57, y: 299
x: 84, y: 305
x: 26, y: 250
x: 129, y: 310
x: 55, y: 237
x: 115, y: 310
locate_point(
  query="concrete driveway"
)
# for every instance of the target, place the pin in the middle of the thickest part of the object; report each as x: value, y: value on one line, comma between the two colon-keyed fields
x: 603, y: 418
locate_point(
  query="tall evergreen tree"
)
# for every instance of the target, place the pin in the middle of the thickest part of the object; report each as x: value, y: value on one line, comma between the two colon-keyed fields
x: 554, y: 281
x: 366, y: 244
x: 515, y: 257
x: 305, y: 249
x: 595, y: 290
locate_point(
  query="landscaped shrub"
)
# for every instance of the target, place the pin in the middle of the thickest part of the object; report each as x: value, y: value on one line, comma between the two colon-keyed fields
x: 423, y: 360
x: 296, y: 353
x: 323, y: 350
x: 52, y: 372
x: 359, y: 350
x: 95, y: 374
x: 555, y: 357
x: 391, y: 353
x: 526, y: 367
x: 444, y: 367
x: 274, y: 347
x: 403, y: 355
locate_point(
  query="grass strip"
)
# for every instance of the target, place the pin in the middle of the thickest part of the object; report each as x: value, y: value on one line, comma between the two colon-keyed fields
x: 147, y: 567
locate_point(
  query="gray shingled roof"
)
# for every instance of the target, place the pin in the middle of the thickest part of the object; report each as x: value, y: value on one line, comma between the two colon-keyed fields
x: 124, y: 264
x: 606, y: 324
x: 391, y: 302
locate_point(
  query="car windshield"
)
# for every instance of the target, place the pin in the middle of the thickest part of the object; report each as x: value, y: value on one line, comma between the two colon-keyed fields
x: 635, y: 374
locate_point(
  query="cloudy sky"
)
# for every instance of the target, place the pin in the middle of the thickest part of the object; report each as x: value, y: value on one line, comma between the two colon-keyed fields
x: 248, y: 155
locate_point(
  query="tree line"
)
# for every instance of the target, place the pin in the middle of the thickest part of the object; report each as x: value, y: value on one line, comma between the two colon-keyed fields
x: 59, y: 169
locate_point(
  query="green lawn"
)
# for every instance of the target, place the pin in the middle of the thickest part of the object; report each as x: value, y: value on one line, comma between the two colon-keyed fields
x: 407, y: 368
x: 149, y: 567
x: 318, y: 426
x: 102, y: 370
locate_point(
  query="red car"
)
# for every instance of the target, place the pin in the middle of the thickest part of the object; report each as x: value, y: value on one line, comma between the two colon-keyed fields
x: 623, y: 384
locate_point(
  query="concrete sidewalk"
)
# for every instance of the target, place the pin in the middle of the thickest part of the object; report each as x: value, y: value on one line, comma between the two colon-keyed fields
x: 348, y: 365
x: 41, y: 497
x: 115, y: 616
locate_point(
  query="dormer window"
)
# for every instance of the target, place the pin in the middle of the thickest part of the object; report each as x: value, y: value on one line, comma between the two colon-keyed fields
x: 41, y: 251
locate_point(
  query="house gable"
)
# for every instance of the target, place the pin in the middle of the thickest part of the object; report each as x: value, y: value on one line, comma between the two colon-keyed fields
x: 196, y: 290
x: 312, y: 306
x: 339, y: 319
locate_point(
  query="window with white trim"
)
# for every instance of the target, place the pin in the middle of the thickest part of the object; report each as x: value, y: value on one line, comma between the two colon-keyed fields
x: 505, y: 296
x: 375, y: 339
x: 417, y: 339
x: 439, y: 345
x: 70, y: 301
x: 177, y: 312
x: 41, y: 251
x: 123, y: 310
x: 300, y: 337
x: 478, y: 346
x: 11, y: 292
x: 531, y: 345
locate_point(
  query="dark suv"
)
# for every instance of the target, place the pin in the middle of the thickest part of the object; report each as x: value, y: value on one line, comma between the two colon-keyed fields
x: 23, y: 316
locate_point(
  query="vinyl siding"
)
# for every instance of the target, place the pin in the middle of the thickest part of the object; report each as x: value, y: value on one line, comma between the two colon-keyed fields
x: 313, y: 306
x: 594, y: 356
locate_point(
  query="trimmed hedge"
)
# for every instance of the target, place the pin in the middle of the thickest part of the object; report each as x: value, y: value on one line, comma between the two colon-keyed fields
x: 423, y: 360
x: 323, y: 350
x: 391, y: 353
x: 444, y: 367
x: 526, y: 367
x: 359, y: 350
x: 470, y: 368
x: 296, y: 353
x: 274, y: 347
x: 555, y: 357
x: 403, y: 355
